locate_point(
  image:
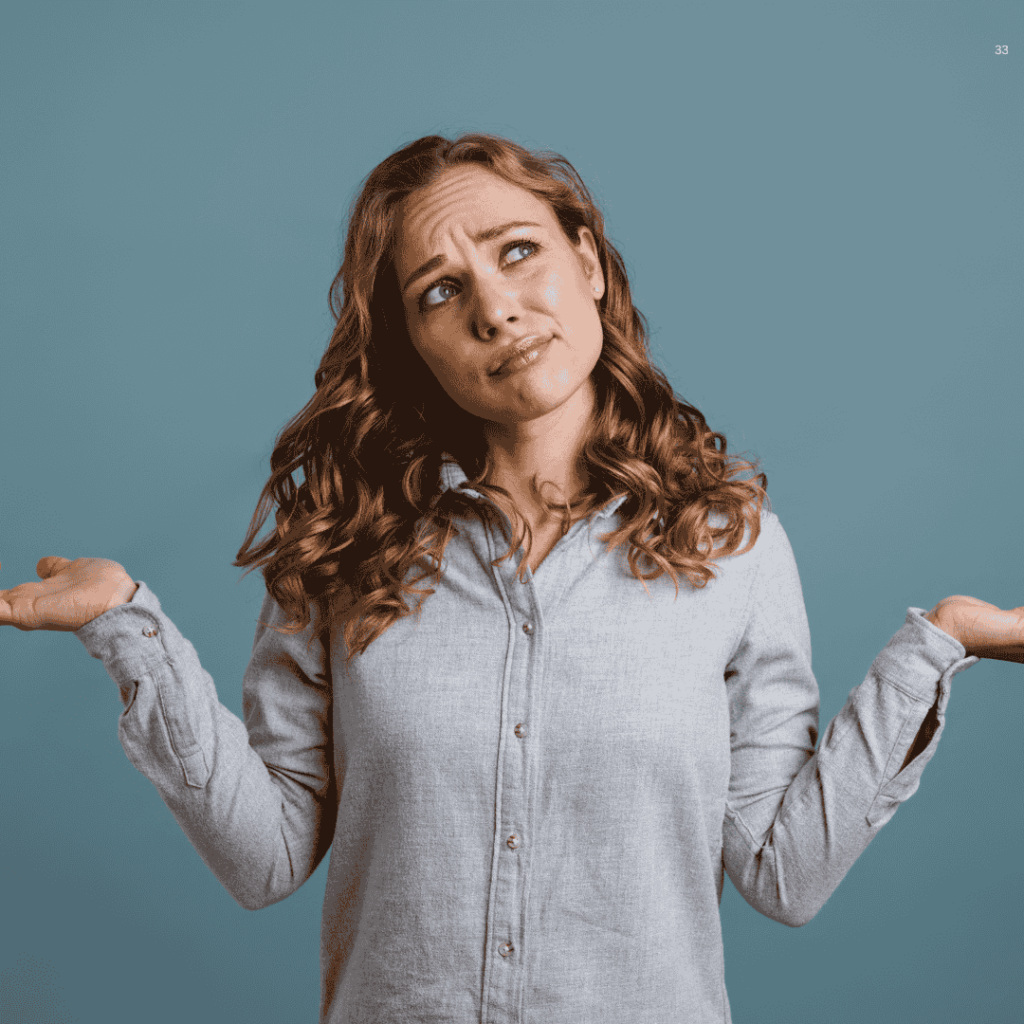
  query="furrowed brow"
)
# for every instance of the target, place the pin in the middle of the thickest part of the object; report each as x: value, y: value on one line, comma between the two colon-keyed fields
x: 484, y: 236
x: 432, y: 264
x: 491, y: 233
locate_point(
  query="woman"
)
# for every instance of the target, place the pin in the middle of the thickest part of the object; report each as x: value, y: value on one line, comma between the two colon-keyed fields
x: 534, y: 775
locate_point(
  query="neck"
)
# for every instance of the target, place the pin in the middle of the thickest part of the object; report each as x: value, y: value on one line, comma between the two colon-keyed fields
x: 548, y: 448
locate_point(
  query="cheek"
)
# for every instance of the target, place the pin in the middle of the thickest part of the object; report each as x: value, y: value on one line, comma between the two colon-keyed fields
x: 579, y: 316
x: 573, y: 299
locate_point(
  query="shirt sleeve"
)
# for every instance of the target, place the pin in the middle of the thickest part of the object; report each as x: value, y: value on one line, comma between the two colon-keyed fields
x: 254, y: 798
x: 796, y: 819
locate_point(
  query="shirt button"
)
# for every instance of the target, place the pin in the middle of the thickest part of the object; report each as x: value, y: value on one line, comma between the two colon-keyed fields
x: 149, y: 631
x: 513, y: 842
x: 520, y: 730
x: 505, y: 948
x: 527, y: 628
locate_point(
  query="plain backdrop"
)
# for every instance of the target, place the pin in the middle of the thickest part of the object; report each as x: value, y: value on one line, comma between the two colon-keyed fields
x: 820, y: 207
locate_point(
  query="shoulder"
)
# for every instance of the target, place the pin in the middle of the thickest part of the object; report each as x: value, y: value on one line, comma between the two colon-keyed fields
x: 767, y: 540
x: 761, y: 563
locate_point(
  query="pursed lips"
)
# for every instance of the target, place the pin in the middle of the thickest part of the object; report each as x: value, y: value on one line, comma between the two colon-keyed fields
x: 517, y: 349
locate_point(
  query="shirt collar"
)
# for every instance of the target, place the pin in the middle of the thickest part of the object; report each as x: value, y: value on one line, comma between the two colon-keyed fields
x: 452, y: 476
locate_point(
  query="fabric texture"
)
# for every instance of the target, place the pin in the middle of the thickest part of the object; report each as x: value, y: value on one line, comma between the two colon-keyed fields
x: 532, y: 791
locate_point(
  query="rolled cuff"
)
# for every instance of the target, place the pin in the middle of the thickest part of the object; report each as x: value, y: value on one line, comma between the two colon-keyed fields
x: 130, y: 640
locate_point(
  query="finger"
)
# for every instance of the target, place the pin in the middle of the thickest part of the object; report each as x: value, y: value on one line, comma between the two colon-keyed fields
x: 47, y: 566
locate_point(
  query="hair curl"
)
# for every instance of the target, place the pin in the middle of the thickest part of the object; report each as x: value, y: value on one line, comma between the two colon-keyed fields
x: 370, y: 442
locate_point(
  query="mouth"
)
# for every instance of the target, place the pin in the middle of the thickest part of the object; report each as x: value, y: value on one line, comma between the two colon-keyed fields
x: 520, y: 354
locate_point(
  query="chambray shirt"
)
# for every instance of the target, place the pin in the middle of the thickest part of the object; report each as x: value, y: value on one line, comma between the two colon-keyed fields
x: 532, y: 791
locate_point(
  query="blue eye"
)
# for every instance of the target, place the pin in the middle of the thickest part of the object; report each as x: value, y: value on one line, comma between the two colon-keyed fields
x: 438, y: 294
x: 530, y: 246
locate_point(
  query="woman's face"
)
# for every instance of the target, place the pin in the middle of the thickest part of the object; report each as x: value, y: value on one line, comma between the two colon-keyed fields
x: 484, y: 267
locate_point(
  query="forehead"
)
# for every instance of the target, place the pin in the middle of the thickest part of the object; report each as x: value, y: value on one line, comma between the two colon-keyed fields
x: 462, y: 199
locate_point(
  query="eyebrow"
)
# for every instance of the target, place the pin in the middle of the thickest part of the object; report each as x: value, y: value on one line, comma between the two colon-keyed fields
x: 484, y: 236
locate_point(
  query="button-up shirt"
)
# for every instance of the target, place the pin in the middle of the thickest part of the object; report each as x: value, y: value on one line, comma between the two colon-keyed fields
x: 531, y: 791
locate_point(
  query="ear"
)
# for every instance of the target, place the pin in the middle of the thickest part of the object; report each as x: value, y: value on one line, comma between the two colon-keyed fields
x: 591, y: 263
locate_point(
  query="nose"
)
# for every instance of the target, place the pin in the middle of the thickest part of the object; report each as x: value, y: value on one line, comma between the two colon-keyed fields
x: 494, y: 306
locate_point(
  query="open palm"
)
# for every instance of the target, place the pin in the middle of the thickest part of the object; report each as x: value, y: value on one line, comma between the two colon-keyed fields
x: 985, y: 630
x: 70, y: 594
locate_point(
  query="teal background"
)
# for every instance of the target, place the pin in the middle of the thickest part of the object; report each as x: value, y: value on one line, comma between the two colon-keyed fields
x: 820, y: 207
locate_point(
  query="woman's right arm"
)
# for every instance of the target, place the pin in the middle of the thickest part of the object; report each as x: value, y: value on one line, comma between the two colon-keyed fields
x: 254, y: 799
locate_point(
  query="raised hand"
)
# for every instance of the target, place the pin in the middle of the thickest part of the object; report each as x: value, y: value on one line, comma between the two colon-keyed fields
x: 985, y: 630
x: 71, y: 594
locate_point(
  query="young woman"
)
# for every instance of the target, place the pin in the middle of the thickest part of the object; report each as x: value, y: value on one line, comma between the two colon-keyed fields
x: 533, y: 660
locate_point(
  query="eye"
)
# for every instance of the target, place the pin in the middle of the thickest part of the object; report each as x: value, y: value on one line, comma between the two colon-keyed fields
x: 526, y: 248
x: 438, y: 294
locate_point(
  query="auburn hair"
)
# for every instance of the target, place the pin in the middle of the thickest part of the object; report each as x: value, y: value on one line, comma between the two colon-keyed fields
x: 369, y: 521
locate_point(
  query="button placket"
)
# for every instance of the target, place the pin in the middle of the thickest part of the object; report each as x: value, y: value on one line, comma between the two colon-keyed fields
x: 504, y: 985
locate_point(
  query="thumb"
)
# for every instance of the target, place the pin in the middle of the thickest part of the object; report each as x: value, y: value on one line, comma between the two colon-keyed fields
x: 51, y: 564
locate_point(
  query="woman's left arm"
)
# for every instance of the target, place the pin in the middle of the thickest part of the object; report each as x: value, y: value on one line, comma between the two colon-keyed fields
x: 799, y: 812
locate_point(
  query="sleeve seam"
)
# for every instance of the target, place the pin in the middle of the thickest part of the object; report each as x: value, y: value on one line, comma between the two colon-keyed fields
x: 748, y: 608
x: 734, y: 818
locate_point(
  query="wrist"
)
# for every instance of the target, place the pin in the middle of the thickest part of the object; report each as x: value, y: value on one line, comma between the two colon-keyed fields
x: 946, y: 623
x: 123, y: 595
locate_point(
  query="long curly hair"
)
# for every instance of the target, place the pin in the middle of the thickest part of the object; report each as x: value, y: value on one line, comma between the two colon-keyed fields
x: 369, y: 521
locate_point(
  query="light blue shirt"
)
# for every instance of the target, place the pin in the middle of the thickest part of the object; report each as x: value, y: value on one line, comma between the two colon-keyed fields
x: 532, y: 791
